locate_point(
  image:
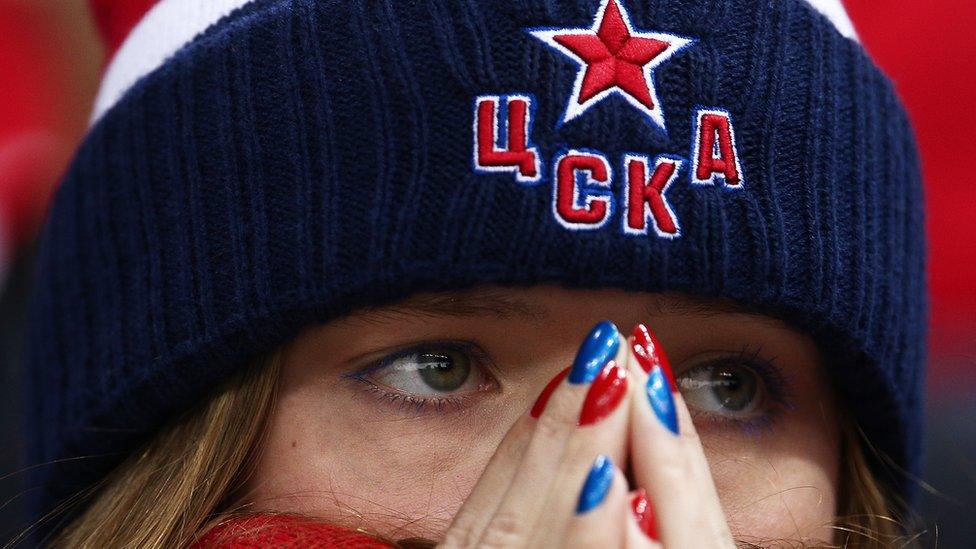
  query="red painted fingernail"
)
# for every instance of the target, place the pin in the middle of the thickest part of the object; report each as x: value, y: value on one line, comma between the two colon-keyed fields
x: 606, y: 392
x: 644, y: 514
x: 649, y: 354
x: 540, y: 403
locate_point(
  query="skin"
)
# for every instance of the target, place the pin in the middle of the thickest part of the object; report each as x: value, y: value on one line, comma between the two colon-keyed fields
x: 343, y: 450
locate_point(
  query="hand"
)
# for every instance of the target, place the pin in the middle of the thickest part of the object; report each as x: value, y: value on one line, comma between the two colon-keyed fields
x: 556, y: 480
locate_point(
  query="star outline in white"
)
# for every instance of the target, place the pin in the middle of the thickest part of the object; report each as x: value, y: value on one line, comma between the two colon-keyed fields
x: 574, y: 108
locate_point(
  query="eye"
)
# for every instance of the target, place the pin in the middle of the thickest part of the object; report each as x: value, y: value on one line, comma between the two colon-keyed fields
x: 430, y: 370
x: 727, y: 387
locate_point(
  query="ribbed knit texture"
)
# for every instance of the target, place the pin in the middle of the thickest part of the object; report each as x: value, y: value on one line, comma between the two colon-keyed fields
x: 303, y: 158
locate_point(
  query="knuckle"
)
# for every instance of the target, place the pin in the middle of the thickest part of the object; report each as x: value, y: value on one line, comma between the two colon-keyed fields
x: 675, y: 472
x: 551, y: 428
x: 458, y: 537
x: 505, y: 530
x: 450, y: 542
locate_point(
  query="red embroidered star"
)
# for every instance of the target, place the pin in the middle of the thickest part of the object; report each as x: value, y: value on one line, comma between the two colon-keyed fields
x: 613, y: 58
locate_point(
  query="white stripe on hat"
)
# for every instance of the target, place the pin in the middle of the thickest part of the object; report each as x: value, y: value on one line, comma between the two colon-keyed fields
x: 166, y: 28
x: 171, y: 24
x: 834, y: 10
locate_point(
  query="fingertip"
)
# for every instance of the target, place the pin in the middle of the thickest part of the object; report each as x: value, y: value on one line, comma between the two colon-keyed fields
x: 540, y: 402
x: 643, y: 514
x: 605, y: 394
x: 597, y: 485
x: 662, y: 400
x: 599, y: 347
x: 603, y: 525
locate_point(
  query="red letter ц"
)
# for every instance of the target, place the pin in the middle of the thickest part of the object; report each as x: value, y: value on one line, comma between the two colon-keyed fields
x: 512, y: 154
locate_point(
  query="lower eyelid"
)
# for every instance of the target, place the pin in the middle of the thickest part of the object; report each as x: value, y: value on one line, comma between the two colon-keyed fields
x: 402, y: 402
x: 753, y: 426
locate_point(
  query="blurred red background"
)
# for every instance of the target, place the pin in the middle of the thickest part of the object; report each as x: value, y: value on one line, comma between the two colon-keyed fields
x: 49, y: 69
x: 927, y: 48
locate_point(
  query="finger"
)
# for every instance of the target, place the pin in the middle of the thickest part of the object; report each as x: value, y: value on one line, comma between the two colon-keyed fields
x: 480, y: 505
x: 478, y: 508
x: 601, y: 512
x: 603, y: 429
x: 611, y: 392
x: 667, y: 456
x: 514, y: 520
x: 641, y: 524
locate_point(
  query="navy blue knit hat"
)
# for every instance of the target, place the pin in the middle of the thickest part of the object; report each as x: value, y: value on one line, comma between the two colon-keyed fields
x: 301, y: 158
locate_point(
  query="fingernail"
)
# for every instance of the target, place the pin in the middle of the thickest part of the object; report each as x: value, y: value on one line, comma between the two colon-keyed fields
x: 597, y: 485
x: 606, y: 392
x: 661, y: 399
x: 540, y: 403
x: 649, y: 354
x: 599, y: 347
x: 644, y: 514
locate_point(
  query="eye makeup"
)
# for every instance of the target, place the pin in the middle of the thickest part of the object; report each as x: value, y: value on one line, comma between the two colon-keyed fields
x: 405, y: 378
x: 393, y: 379
x: 774, y: 389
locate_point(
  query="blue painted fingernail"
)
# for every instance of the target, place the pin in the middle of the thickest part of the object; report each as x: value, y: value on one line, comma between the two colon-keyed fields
x: 662, y: 402
x: 599, y: 347
x: 597, y: 485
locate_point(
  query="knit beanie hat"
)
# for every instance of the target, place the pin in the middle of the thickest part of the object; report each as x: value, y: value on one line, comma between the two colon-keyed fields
x: 255, y: 167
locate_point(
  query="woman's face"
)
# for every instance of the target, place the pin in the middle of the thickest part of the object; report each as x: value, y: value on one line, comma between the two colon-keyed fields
x: 386, y: 418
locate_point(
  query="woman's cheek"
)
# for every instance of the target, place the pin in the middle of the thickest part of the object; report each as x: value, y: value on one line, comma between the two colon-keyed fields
x: 346, y: 461
x: 416, y: 481
x: 772, y: 486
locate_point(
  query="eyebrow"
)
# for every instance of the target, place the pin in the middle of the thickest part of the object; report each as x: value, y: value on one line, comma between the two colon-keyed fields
x: 689, y: 305
x: 480, y: 303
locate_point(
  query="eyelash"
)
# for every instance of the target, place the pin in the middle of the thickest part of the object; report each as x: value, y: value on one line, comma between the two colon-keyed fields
x: 404, y: 402
x: 778, y: 388
x: 418, y: 405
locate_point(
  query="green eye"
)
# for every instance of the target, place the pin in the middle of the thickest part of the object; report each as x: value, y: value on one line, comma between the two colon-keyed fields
x: 443, y: 371
x: 723, y: 387
x: 734, y: 387
x: 431, y: 370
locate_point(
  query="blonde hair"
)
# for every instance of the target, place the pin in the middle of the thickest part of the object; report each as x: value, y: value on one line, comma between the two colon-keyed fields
x: 164, y: 495
x: 871, y: 514
x: 187, y: 478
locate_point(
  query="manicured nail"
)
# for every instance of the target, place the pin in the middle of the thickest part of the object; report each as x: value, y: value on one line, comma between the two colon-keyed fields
x: 649, y: 354
x: 606, y: 392
x: 644, y: 514
x: 599, y: 347
x: 540, y: 403
x: 597, y: 485
x: 661, y: 399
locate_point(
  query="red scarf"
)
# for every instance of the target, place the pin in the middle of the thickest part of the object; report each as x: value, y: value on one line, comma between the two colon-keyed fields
x: 280, y: 532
